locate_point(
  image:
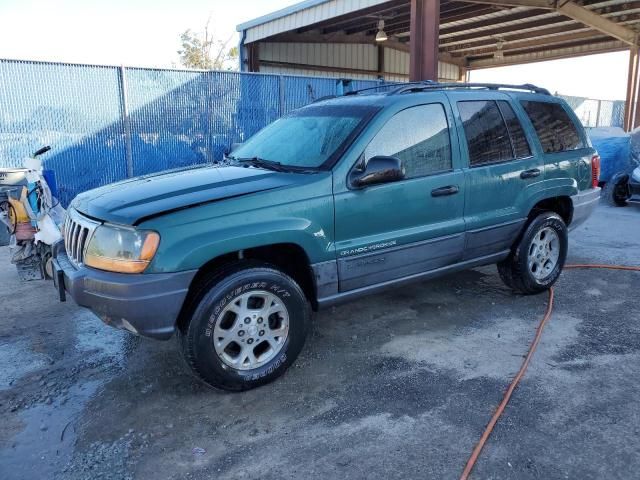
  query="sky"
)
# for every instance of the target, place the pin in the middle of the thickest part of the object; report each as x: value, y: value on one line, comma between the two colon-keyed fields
x: 146, y: 33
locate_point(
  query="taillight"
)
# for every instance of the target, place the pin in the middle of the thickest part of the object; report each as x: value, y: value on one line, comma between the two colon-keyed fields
x: 595, y: 171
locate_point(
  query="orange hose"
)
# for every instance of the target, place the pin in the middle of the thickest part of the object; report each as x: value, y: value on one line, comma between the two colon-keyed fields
x: 516, y: 380
x: 609, y: 267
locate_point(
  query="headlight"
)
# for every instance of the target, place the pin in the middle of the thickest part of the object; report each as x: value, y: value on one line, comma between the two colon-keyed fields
x: 123, y: 250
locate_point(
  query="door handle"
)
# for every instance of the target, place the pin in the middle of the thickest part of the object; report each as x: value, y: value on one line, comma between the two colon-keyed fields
x: 441, y: 192
x: 534, y: 172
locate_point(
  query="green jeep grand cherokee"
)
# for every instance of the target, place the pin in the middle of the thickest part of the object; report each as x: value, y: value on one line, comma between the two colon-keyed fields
x: 342, y: 198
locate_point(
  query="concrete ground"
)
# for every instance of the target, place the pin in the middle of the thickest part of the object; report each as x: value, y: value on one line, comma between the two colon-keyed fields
x: 399, y: 385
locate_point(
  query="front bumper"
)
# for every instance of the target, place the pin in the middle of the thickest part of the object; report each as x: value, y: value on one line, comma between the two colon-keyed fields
x: 584, y: 203
x: 144, y: 304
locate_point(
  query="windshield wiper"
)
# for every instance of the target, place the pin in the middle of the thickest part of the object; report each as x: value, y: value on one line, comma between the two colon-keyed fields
x: 262, y: 163
x: 272, y: 165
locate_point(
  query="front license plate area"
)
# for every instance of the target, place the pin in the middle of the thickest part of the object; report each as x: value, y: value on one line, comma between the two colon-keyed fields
x: 58, y: 281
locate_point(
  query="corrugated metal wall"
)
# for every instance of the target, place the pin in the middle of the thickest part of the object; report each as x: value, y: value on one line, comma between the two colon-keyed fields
x: 357, y: 57
x: 307, y: 16
x: 317, y: 73
x: 342, y: 56
x: 397, y: 62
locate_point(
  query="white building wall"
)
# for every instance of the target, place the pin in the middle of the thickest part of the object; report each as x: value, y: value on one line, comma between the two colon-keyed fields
x: 348, y: 56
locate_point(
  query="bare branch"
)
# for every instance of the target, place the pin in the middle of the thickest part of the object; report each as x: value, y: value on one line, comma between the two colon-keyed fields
x: 204, y: 51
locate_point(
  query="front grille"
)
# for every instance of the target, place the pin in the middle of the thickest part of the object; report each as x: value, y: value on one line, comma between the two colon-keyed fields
x: 77, y: 233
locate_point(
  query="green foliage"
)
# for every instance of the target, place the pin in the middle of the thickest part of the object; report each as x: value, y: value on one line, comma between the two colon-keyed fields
x: 202, y: 50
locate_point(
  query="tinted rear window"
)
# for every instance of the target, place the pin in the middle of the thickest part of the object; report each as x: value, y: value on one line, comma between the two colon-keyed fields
x: 555, y: 129
x: 487, y: 135
x: 520, y: 145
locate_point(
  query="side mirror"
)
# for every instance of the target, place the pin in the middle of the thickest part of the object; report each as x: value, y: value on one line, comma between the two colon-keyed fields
x: 378, y: 170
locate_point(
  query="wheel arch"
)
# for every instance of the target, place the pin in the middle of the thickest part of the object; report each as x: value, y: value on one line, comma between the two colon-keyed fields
x: 289, y: 258
x: 561, y: 204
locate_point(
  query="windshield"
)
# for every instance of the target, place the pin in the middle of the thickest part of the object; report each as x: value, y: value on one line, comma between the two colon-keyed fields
x: 312, y: 137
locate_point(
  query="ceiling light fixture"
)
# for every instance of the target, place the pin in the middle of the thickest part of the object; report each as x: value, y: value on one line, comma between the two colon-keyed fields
x: 499, y: 54
x: 381, y: 36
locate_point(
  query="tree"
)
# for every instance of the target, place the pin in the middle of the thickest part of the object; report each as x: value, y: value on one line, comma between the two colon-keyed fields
x: 203, y: 51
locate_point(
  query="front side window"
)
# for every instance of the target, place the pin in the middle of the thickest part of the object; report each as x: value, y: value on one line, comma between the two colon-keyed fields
x: 555, y: 129
x: 309, y: 138
x: 419, y: 136
x: 487, y: 135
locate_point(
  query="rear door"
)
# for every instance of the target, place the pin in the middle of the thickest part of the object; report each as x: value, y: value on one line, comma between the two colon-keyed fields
x: 501, y: 171
x: 394, y: 230
x: 566, y: 152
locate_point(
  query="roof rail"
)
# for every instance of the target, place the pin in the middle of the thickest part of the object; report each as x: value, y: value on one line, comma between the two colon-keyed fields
x: 382, y: 85
x: 422, y: 86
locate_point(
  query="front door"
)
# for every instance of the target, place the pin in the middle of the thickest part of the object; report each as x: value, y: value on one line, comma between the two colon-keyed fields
x: 395, y: 230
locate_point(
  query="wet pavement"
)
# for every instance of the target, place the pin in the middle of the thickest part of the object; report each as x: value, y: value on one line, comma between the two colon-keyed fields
x: 398, y: 385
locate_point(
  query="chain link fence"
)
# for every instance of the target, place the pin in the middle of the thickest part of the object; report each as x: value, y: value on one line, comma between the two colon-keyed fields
x: 109, y: 123
x: 597, y: 113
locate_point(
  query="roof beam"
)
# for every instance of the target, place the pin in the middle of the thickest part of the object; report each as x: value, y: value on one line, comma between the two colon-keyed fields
x: 575, y: 12
x: 598, y: 22
x: 531, y: 26
x: 471, y: 48
x: 376, y: 10
x: 547, y: 42
x: 526, y: 14
x: 548, y: 54
x: 537, y: 37
x: 516, y: 3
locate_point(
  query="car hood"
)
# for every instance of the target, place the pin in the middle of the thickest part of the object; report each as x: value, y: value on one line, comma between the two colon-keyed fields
x: 131, y: 201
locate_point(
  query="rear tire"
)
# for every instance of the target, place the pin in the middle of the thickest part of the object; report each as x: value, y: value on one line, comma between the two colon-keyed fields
x: 536, y: 262
x: 248, y: 327
x: 616, y: 191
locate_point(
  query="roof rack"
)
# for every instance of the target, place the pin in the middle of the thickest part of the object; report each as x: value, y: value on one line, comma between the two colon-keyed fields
x: 382, y: 85
x: 429, y: 85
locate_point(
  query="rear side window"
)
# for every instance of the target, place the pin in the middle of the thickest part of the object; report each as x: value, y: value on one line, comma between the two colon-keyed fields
x: 487, y: 135
x: 555, y: 129
x: 518, y: 139
x: 419, y: 136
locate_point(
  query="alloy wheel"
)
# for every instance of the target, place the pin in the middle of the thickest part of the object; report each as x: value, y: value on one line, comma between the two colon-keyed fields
x: 252, y: 330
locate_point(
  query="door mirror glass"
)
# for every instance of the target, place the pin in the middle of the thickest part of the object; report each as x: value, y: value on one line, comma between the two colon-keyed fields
x: 378, y: 170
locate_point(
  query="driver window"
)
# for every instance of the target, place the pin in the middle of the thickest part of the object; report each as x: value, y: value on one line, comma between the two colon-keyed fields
x: 419, y: 136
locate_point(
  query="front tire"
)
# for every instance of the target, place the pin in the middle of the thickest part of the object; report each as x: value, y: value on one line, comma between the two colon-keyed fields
x: 248, y: 327
x: 536, y: 262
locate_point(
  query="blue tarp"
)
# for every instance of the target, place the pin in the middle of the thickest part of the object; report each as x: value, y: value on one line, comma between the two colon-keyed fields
x: 613, y: 146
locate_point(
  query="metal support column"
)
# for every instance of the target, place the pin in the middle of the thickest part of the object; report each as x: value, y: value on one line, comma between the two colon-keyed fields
x: 463, y: 75
x: 380, y: 62
x: 631, y: 110
x: 253, y: 51
x: 425, y: 30
x: 281, y: 97
x: 126, y: 120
